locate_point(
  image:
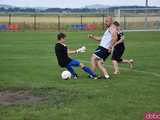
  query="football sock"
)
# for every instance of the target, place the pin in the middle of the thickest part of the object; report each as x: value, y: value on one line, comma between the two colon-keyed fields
x: 89, y: 71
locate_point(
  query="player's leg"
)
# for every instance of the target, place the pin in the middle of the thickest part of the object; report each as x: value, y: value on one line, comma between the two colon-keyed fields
x: 71, y: 70
x: 116, y: 58
x: 96, y: 54
x: 102, y: 68
x: 86, y: 69
x: 115, y: 67
x: 101, y: 54
x: 120, y: 52
x: 130, y: 62
x: 94, y: 62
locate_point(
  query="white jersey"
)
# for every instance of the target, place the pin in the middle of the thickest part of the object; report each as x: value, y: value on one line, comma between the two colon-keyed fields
x: 106, y: 40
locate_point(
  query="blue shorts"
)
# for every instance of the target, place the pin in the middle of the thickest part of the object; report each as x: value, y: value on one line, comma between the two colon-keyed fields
x: 74, y: 63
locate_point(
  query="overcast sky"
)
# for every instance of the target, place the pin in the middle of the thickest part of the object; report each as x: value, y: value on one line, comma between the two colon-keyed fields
x: 75, y: 3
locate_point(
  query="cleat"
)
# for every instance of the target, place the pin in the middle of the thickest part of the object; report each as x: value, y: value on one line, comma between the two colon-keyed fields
x: 75, y: 77
x: 92, y: 77
x: 105, y: 78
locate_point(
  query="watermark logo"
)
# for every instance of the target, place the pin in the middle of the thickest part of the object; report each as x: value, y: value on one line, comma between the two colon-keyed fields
x: 152, y: 116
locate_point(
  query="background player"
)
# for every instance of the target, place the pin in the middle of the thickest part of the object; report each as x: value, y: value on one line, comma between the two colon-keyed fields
x: 118, y: 51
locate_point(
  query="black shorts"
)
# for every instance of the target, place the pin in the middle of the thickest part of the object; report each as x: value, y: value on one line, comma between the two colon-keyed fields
x: 118, y: 52
x: 101, y: 53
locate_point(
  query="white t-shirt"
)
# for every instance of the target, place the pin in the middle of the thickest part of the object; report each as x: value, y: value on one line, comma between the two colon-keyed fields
x: 106, y: 39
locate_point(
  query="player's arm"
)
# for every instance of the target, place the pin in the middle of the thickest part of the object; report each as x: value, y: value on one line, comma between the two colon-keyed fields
x: 114, y: 38
x: 72, y: 51
x: 113, y: 30
x: 120, y: 41
x: 93, y: 37
x: 79, y: 50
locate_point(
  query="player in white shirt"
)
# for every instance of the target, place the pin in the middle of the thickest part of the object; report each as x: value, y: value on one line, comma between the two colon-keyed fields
x: 107, y: 41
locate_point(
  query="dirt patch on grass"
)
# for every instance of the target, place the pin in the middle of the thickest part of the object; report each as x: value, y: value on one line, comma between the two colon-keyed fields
x: 9, y: 97
x: 55, y: 97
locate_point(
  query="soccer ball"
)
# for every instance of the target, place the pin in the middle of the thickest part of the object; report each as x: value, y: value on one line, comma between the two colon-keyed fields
x: 66, y: 75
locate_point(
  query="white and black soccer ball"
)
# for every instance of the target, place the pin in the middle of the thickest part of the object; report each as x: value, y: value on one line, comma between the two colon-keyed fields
x: 66, y: 75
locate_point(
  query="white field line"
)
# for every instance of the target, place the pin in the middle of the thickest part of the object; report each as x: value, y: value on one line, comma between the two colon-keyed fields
x: 134, y: 70
x: 143, y: 30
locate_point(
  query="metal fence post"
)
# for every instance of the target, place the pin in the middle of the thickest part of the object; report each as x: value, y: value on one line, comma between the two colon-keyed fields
x: 81, y: 22
x: 35, y: 22
x: 124, y: 22
x: 103, y: 22
x: 59, y: 26
x: 9, y: 20
x: 146, y: 15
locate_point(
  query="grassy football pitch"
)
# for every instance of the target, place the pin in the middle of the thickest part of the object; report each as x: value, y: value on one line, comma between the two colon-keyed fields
x: 31, y: 87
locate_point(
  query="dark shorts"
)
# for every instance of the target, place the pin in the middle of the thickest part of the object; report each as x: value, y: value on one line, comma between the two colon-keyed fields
x: 117, y: 53
x: 101, y: 53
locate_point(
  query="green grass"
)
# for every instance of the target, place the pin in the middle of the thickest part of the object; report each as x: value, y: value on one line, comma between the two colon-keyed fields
x: 27, y: 62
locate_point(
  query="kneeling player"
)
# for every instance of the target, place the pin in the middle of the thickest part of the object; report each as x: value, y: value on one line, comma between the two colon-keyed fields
x: 64, y: 60
x: 119, y: 50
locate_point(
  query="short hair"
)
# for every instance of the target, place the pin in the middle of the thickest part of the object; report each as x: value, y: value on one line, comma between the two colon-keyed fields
x: 61, y: 35
x: 116, y: 23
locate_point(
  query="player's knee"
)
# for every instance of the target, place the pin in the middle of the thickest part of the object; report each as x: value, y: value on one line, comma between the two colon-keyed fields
x: 82, y: 65
x: 93, y: 57
x: 100, y: 62
x: 114, y: 61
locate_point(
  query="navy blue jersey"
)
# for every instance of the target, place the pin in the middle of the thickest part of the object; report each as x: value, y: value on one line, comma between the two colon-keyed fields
x: 62, y: 55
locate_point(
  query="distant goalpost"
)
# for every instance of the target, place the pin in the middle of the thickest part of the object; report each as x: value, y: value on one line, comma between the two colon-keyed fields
x: 139, y: 19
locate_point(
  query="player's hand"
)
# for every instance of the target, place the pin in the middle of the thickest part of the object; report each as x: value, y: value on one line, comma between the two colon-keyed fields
x: 81, y: 49
x: 110, y: 50
x: 114, y: 44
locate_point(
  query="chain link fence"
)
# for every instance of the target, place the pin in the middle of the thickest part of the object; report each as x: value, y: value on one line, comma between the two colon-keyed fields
x: 130, y: 19
x: 139, y: 18
x: 33, y: 22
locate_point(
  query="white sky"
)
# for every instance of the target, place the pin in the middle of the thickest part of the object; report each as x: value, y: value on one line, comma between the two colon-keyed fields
x: 75, y: 3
